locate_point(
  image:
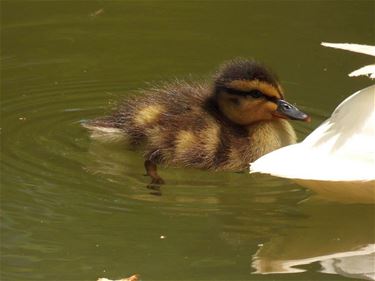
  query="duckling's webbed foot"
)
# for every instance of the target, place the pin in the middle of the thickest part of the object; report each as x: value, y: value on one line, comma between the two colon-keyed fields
x: 151, y: 171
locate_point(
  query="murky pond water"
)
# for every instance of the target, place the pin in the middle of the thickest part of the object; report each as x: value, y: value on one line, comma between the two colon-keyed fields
x: 74, y: 209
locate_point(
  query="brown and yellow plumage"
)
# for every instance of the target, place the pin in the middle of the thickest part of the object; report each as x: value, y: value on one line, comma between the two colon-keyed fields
x: 222, y: 126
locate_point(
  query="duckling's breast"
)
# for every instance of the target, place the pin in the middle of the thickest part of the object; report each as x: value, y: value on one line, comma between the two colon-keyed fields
x: 257, y: 140
x: 267, y: 136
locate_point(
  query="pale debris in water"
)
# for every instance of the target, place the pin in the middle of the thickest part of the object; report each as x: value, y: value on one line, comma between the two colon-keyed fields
x: 134, y: 277
x: 97, y: 13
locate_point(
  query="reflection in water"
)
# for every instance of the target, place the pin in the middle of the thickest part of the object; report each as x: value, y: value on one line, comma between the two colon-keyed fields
x: 357, y: 263
x: 119, y: 163
x: 339, y: 237
x: 344, y: 192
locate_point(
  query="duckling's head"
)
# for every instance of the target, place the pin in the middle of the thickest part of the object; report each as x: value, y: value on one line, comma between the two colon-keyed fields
x: 247, y: 92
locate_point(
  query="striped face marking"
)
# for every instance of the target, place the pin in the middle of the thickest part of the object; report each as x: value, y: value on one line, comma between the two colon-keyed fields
x: 255, y: 89
x: 248, y: 101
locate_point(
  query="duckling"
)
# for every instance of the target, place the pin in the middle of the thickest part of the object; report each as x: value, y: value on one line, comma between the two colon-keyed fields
x: 224, y: 125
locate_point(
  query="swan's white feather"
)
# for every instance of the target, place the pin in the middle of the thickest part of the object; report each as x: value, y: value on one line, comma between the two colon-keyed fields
x: 358, y: 48
x: 341, y: 149
x: 368, y: 70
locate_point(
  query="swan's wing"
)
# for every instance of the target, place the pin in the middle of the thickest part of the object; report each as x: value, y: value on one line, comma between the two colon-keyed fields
x: 368, y: 70
x: 340, y: 149
x: 358, y: 48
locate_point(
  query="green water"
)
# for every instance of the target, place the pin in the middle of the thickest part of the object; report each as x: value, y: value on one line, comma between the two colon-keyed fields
x: 73, y: 209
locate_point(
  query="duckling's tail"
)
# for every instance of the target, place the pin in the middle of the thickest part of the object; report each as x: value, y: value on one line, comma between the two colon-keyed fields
x: 102, y: 129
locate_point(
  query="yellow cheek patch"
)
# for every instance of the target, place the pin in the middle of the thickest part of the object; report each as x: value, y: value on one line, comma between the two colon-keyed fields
x: 148, y: 114
x: 264, y: 87
x: 270, y: 106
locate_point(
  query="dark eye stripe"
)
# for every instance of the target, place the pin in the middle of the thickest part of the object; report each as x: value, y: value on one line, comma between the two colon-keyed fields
x: 252, y: 93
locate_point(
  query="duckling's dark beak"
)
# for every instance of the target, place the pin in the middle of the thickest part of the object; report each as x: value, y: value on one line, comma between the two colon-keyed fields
x: 288, y: 111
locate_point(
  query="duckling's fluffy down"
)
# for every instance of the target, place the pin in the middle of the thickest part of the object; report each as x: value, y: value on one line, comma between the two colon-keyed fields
x: 179, y: 124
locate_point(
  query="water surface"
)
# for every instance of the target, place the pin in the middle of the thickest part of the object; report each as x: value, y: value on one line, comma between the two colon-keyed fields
x: 73, y: 209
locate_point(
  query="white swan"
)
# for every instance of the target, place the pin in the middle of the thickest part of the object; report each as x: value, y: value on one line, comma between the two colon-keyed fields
x: 338, y: 158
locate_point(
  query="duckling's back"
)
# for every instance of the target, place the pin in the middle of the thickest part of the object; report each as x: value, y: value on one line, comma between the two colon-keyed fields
x: 180, y: 125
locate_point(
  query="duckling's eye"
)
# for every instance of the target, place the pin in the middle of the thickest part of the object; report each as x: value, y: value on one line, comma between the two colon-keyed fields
x: 255, y: 94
